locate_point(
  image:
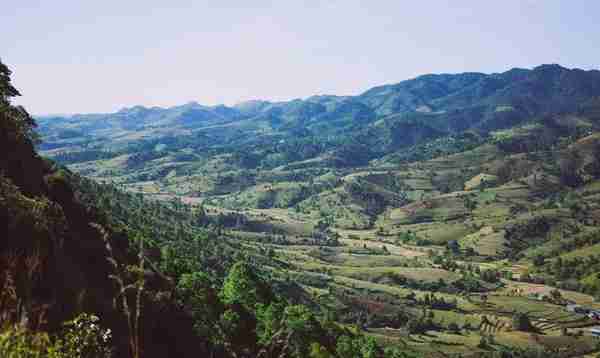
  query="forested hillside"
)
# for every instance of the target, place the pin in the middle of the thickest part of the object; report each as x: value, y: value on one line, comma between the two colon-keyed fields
x: 87, y: 270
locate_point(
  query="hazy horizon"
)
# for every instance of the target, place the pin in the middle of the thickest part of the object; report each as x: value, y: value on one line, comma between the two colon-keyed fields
x: 284, y: 100
x: 81, y: 58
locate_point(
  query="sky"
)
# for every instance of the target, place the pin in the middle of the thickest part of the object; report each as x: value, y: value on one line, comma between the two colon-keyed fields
x: 82, y: 56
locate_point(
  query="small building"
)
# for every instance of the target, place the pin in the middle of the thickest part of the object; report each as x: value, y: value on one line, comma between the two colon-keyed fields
x: 595, y: 332
x: 582, y: 310
x: 595, y: 315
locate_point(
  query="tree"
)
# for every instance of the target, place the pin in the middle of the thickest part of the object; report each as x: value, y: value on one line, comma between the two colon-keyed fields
x: 18, y: 161
x: 593, y: 168
x: 21, y: 123
x: 368, y: 347
x: 469, y: 203
x: 556, y: 295
x: 393, y: 352
x: 569, y: 165
x: 345, y: 347
x: 318, y: 351
x: 539, y: 260
x: 200, y: 216
x: 195, y: 294
x: 490, y: 276
x: 521, y: 322
x: 132, y: 310
x: 82, y: 337
x: 243, y: 287
x: 356, y: 347
x: 298, y: 330
x: 453, y: 246
x: 268, y: 321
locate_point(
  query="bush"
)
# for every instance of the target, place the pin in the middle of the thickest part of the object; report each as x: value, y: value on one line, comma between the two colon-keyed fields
x: 82, y: 337
x: 453, y: 327
x: 18, y: 342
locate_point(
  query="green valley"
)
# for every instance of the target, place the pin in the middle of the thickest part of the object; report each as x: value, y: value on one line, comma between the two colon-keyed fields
x: 446, y: 215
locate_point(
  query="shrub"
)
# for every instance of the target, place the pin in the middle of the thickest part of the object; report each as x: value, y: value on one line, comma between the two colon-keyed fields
x: 82, y: 337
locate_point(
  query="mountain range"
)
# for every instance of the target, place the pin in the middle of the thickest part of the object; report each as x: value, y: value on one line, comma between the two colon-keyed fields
x: 442, y: 104
x: 388, y: 123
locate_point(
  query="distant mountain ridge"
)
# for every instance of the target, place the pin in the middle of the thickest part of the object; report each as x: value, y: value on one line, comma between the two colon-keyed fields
x: 431, y: 86
x: 438, y: 91
x: 378, y: 122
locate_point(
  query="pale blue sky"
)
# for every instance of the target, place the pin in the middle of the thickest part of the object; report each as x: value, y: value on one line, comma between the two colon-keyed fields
x: 98, y: 56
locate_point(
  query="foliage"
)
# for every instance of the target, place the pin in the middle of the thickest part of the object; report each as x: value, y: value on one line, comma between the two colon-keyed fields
x: 243, y: 287
x: 361, y: 346
x: 81, y: 337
